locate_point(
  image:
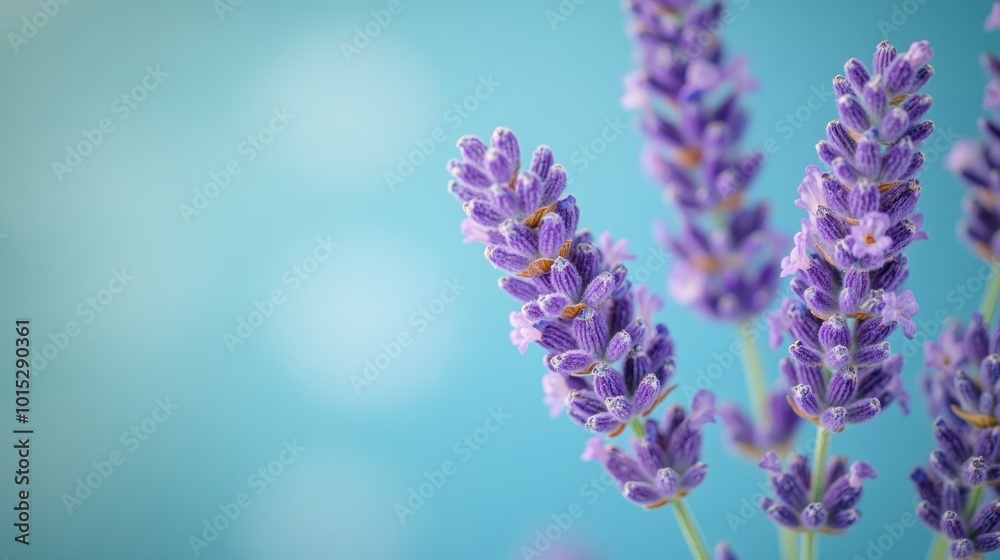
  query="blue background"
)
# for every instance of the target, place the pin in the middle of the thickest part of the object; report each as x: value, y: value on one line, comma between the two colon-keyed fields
x: 324, y: 176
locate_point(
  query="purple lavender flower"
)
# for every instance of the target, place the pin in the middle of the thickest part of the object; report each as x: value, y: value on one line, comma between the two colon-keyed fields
x: 945, y: 509
x: 694, y: 123
x: 960, y: 354
x: 724, y: 552
x: 848, y: 262
x: 978, y: 165
x: 607, y: 365
x: 667, y: 464
x: 794, y: 507
x: 754, y: 439
x: 963, y: 386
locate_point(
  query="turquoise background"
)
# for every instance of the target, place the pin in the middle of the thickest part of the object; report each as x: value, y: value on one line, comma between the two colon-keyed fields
x: 323, y: 176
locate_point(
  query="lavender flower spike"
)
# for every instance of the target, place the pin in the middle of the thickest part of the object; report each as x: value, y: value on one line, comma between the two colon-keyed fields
x: 690, y: 102
x: 978, y: 165
x: 848, y: 263
x: 608, y: 365
x: 667, y: 464
x: 727, y: 255
x: 606, y: 362
x: 848, y: 267
x: 963, y: 386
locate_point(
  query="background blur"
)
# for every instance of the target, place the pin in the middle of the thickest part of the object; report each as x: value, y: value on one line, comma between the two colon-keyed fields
x: 310, y: 105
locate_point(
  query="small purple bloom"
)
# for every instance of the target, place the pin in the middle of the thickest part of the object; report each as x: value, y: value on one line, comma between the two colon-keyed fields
x: 523, y: 332
x: 615, y: 252
x: 900, y: 309
x: 993, y: 20
x: 869, y: 236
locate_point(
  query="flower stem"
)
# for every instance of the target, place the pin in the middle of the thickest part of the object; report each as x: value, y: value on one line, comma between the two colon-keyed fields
x: 699, y: 550
x: 638, y: 429
x: 809, y: 544
x: 754, y: 374
x: 990, y: 297
x: 939, y: 549
x: 977, y: 493
x: 789, y: 549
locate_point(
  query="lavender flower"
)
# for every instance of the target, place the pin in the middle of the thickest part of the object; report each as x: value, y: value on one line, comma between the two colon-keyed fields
x: 795, y: 509
x: 754, y: 439
x: 667, y: 462
x: 724, y: 552
x: 848, y: 260
x: 607, y: 366
x: 945, y: 509
x: 963, y: 386
x: 693, y: 120
x: 978, y: 164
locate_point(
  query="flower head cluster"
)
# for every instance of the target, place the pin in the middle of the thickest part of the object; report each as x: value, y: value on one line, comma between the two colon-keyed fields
x: 667, y: 463
x: 848, y: 258
x: 963, y: 387
x: 794, y: 507
x: 608, y: 366
x: 692, y: 116
x: 842, y: 375
x: 978, y: 164
x: 947, y: 509
x: 754, y: 439
x: 724, y: 552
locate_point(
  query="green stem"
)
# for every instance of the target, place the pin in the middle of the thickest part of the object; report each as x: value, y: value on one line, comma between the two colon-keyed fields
x: 990, y: 297
x: 754, y: 373
x: 699, y: 550
x: 977, y: 493
x: 939, y: 549
x: 638, y: 429
x: 789, y: 550
x: 809, y: 545
x: 819, y: 463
